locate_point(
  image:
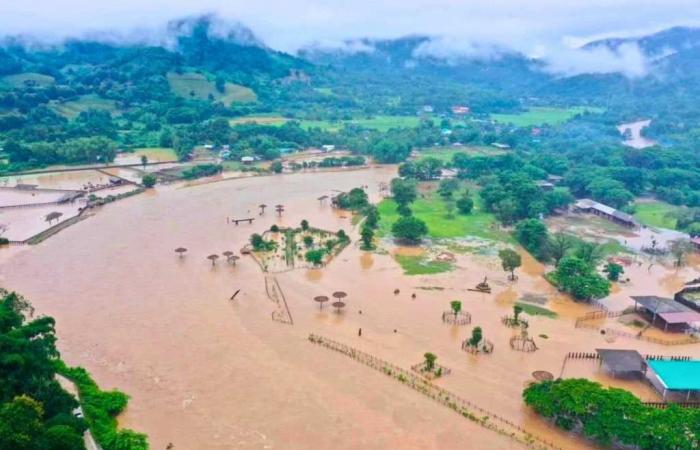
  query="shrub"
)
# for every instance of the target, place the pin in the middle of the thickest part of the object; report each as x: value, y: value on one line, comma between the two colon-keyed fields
x: 148, y: 180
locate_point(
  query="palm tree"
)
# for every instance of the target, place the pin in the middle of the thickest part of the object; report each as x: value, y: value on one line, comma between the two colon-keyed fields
x: 213, y: 259
x: 180, y: 251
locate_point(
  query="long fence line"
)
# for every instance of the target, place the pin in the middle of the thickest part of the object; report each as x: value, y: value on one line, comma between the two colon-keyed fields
x: 460, y: 405
x: 664, y: 405
x: 582, y: 322
x: 32, y: 205
x: 274, y: 293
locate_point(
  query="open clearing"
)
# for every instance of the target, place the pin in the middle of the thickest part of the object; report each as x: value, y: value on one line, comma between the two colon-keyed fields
x: 655, y: 213
x: 542, y: 115
x: 72, y: 108
x: 432, y: 210
x: 196, y: 85
x: 379, y: 123
x: 445, y: 154
x: 19, y: 80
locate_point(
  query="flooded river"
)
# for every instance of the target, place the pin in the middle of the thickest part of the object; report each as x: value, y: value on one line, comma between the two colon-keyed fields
x: 208, y: 373
x: 633, y: 134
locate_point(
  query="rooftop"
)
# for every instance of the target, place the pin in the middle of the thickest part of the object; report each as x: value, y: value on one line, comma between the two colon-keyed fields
x: 619, y: 361
x: 677, y: 375
x: 660, y: 305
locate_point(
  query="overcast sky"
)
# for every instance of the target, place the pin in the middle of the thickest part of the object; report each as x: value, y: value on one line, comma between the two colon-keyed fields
x: 542, y: 27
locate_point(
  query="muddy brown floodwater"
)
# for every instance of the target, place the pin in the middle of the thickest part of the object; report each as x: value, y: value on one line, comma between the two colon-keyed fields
x: 206, y: 373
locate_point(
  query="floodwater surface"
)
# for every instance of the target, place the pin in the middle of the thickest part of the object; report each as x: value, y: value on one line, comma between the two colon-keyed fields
x: 205, y: 372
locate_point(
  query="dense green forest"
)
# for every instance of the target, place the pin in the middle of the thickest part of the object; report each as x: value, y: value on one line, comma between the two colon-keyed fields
x: 82, y: 101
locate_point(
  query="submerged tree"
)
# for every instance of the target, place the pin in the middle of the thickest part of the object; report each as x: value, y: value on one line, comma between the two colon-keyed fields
x: 477, y: 335
x: 559, y: 246
x: 614, y: 271
x: 430, y: 359
x: 510, y: 260
x: 456, y: 307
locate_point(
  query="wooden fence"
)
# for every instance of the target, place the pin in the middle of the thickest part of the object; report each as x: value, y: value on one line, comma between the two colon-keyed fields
x: 460, y: 405
x: 582, y: 322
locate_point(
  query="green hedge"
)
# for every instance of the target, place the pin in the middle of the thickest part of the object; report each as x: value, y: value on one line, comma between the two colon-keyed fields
x: 614, y: 417
x: 101, y: 409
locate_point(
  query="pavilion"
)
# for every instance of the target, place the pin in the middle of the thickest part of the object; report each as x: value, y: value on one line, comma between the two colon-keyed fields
x: 673, y: 376
x: 674, y: 316
x: 622, y: 363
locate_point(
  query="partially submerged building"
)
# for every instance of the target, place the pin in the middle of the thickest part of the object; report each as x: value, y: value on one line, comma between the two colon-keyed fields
x: 690, y: 295
x: 589, y: 206
x: 673, y: 376
x: 622, y: 363
x: 667, y: 313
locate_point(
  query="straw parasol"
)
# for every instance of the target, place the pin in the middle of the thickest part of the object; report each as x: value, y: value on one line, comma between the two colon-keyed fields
x: 213, y: 259
x: 262, y: 207
x: 181, y: 251
x: 228, y: 254
x: 321, y: 299
x: 340, y: 295
x: 338, y: 306
x: 234, y: 258
x: 542, y: 375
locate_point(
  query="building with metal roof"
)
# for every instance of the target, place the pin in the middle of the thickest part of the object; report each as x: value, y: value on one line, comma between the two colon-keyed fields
x: 587, y: 205
x: 666, y: 313
x: 673, y: 376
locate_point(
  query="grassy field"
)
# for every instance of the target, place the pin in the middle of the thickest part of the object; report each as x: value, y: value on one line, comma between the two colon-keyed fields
x: 380, y: 123
x: 445, y: 154
x: 656, y: 214
x: 199, y: 86
x: 539, y: 115
x: 419, y: 265
x: 73, y: 108
x: 20, y: 79
x: 535, y: 310
x: 432, y: 211
x: 260, y: 119
x: 155, y: 154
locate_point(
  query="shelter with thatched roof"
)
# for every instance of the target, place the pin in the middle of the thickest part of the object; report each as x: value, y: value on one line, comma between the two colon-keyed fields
x: 622, y: 363
x: 666, y: 313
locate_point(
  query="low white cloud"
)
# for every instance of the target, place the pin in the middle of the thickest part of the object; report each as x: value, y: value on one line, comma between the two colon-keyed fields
x: 453, y: 49
x: 349, y: 46
x: 627, y: 59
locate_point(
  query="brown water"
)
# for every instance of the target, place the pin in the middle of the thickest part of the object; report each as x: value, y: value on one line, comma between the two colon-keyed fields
x: 205, y: 372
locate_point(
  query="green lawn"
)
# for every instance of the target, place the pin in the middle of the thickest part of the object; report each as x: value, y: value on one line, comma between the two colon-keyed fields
x: 432, y: 211
x: 197, y: 85
x: 156, y: 154
x: 535, y: 310
x: 656, y: 214
x: 379, y: 123
x: 73, y: 108
x: 419, y: 265
x: 21, y: 79
x: 445, y: 154
x: 540, y: 115
x: 260, y: 119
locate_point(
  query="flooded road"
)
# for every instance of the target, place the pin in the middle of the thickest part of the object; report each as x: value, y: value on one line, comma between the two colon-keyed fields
x: 633, y: 134
x: 206, y: 373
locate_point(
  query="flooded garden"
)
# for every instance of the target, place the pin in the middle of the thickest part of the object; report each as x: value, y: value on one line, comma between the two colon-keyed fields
x: 197, y: 346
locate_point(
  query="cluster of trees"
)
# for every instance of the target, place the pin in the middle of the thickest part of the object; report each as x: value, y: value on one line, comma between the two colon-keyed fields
x: 614, y: 417
x: 407, y: 228
x: 35, y: 412
x: 201, y: 170
x: 354, y: 200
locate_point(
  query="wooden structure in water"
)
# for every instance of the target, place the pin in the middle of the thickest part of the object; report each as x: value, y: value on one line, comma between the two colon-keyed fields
x: 236, y: 221
x: 482, y: 287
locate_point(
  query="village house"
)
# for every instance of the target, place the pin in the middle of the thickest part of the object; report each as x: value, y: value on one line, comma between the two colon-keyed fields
x: 690, y: 295
x: 460, y: 110
x: 589, y: 206
x: 544, y: 185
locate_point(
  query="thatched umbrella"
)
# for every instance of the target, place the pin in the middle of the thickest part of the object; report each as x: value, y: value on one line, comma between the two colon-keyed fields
x: 322, y: 199
x: 542, y: 375
x: 181, y: 251
x: 279, y: 209
x: 321, y: 299
x: 338, y: 306
x: 340, y: 295
x: 234, y: 258
x: 262, y: 207
x: 213, y: 259
x: 50, y: 217
x: 228, y: 254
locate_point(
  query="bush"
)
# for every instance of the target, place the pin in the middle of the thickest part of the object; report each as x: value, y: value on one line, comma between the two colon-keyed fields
x: 201, y: 170
x: 149, y: 180
x: 101, y: 409
x: 410, y: 229
x: 275, y: 229
x: 465, y: 205
x: 315, y: 257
